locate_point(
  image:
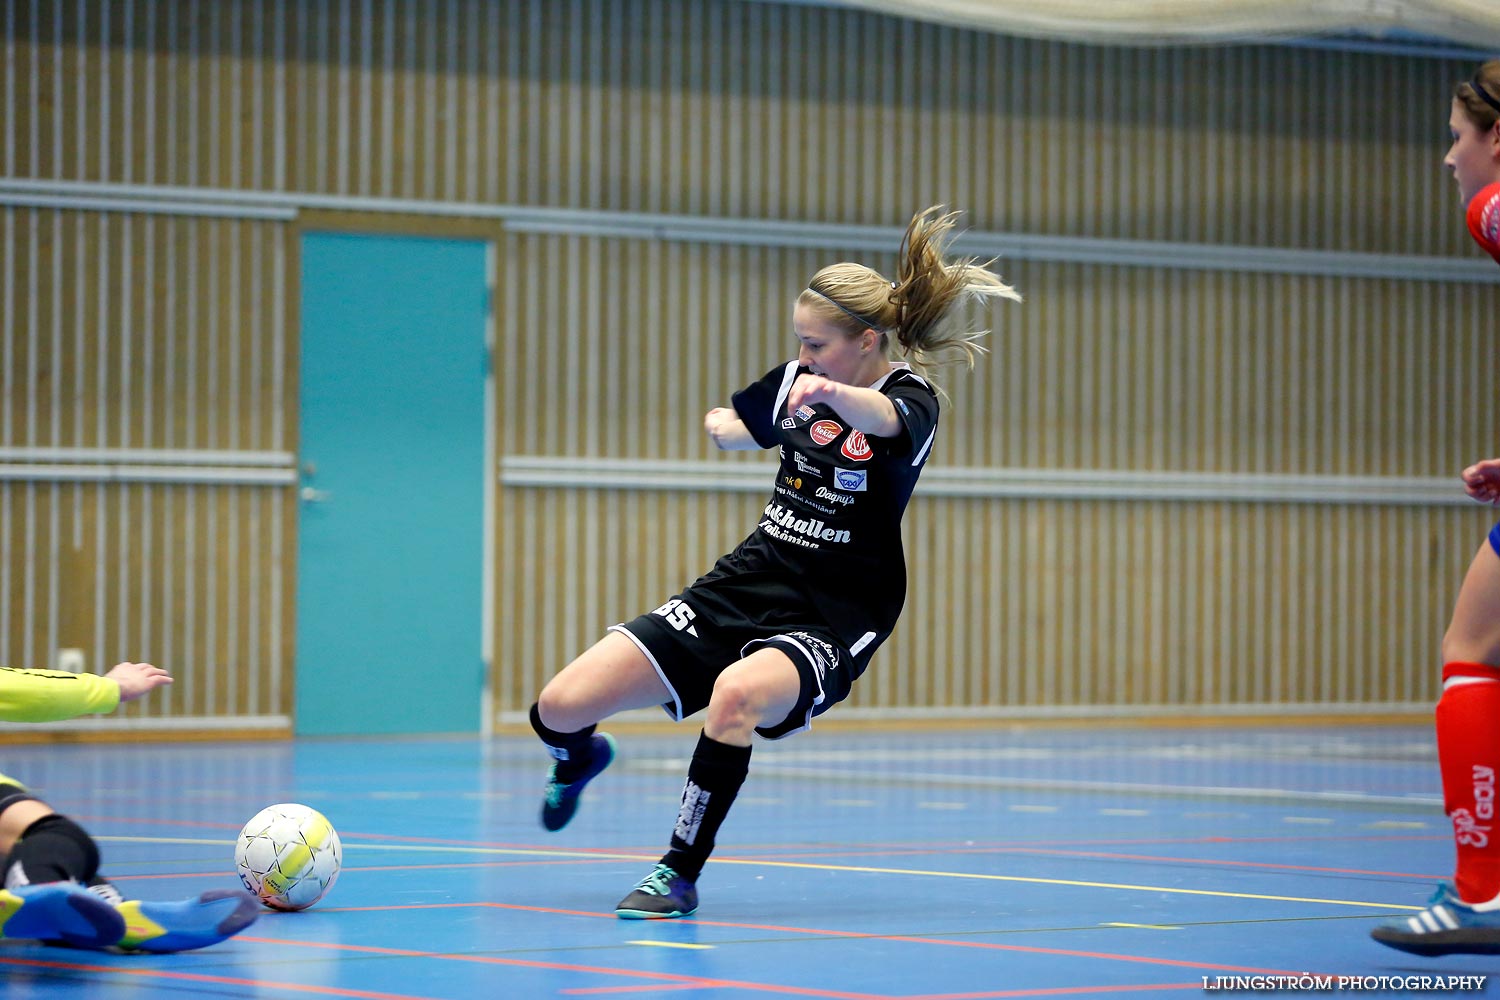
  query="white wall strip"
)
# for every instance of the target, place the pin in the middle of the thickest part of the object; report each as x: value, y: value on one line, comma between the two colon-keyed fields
x: 751, y: 232
x: 31, y: 472
x: 1009, y: 483
x: 146, y: 206
x: 150, y: 456
x: 180, y: 722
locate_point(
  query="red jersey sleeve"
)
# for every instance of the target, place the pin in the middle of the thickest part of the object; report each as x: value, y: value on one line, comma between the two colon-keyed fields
x: 1484, y: 220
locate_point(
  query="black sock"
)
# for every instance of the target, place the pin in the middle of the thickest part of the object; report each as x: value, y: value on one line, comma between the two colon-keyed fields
x: 714, y: 779
x: 572, y: 751
x: 11, y: 793
x: 53, y: 849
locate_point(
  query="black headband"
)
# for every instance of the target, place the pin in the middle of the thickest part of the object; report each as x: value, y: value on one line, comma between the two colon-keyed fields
x: 1484, y: 95
x: 866, y: 321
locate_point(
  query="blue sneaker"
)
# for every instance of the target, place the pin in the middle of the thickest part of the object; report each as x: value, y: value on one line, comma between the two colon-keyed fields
x: 560, y: 799
x: 181, y: 925
x: 1448, y: 926
x: 59, y: 911
x: 663, y: 893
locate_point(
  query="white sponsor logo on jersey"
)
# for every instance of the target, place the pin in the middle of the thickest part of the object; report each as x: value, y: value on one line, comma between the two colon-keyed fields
x: 856, y: 447
x: 782, y: 522
x: 825, y: 431
x: 803, y: 465
x: 824, y: 493
x: 850, y: 480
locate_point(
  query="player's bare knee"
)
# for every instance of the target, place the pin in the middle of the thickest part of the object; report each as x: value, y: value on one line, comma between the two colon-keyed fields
x: 560, y: 710
x: 734, y: 707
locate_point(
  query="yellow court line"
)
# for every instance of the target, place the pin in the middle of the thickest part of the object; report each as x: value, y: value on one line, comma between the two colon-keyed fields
x: 1062, y: 881
x: 766, y: 863
x: 673, y: 944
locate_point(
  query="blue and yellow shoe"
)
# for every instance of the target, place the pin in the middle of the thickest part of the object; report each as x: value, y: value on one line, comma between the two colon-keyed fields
x: 59, y: 911
x: 181, y: 925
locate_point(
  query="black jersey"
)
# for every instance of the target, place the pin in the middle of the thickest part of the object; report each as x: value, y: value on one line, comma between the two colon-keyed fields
x: 832, y: 529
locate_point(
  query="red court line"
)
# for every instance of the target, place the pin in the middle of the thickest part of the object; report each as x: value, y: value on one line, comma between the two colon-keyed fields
x: 1213, y: 861
x: 356, y: 835
x: 379, y: 868
x: 825, y: 849
x: 655, y: 988
x: 686, y: 982
x: 154, y: 821
x: 835, y: 856
x: 812, y: 931
x: 1053, y: 991
x: 1047, y: 991
x: 194, y: 977
x: 897, y: 847
x: 661, y: 980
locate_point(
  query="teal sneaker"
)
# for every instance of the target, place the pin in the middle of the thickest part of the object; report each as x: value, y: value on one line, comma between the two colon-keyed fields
x: 1448, y: 926
x: 663, y: 893
x: 560, y: 799
x: 59, y: 911
x: 180, y: 925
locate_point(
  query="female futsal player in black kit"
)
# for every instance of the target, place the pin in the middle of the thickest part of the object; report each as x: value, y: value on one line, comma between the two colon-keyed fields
x: 780, y: 628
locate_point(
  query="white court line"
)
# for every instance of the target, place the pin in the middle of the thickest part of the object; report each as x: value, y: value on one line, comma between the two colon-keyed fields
x: 860, y: 869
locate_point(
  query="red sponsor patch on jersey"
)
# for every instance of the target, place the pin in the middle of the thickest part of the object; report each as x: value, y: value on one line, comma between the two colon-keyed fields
x: 825, y: 431
x: 856, y: 447
x: 1484, y: 220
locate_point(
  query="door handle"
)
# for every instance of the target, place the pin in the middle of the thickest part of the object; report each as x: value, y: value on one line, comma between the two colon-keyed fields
x: 310, y: 494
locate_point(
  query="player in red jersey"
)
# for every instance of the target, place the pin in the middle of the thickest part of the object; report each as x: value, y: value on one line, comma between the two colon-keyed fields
x: 1465, y: 917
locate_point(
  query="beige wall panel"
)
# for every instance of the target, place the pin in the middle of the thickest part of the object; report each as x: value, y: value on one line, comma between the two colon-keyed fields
x: 1021, y: 604
x: 193, y: 578
x: 627, y: 343
x: 159, y: 331
x: 1045, y: 604
x: 737, y: 110
x: 139, y: 331
x: 127, y: 331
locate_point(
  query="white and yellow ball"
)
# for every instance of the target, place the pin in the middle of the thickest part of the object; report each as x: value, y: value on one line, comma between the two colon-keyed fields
x: 288, y: 855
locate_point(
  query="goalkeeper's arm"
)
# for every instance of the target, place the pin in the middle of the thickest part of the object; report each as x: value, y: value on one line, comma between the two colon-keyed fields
x: 52, y: 695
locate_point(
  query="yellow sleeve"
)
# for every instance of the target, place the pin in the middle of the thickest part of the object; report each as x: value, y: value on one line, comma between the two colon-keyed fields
x: 51, y: 695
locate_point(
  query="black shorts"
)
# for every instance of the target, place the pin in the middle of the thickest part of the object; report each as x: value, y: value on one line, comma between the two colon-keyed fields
x: 692, y: 638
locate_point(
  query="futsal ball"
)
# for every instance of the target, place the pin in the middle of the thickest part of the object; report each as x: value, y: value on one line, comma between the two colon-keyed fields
x: 288, y: 855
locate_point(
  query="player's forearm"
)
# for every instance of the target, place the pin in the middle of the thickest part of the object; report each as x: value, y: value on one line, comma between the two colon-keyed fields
x: 52, y: 695
x: 728, y: 431
x: 867, y: 410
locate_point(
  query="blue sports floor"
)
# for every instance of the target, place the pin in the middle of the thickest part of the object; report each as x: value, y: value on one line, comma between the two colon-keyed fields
x: 919, y: 864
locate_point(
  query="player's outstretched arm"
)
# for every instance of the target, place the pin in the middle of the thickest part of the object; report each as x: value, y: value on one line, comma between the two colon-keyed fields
x: 866, y: 409
x: 728, y: 431
x: 54, y: 695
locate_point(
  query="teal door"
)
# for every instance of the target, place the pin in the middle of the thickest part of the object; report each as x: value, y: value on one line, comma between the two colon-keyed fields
x: 390, y: 553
